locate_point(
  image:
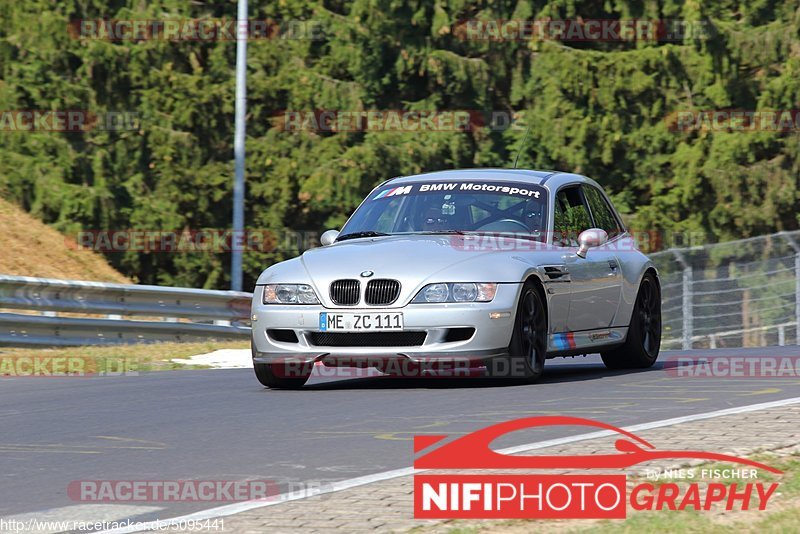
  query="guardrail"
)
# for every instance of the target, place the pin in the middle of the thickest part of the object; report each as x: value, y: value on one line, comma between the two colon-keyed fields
x: 181, y: 314
x: 743, y: 293
x: 734, y: 294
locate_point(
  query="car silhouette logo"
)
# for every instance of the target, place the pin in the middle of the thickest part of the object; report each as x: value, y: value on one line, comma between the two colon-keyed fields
x: 473, y: 450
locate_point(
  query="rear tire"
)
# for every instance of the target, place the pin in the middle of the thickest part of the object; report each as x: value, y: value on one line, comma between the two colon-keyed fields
x: 643, y: 342
x: 527, y: 350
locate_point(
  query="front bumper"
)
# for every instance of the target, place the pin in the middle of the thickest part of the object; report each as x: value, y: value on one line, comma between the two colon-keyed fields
x: 491, y: 336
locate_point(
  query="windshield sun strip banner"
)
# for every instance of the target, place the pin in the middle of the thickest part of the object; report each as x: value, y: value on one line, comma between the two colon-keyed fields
x: 513, y: 189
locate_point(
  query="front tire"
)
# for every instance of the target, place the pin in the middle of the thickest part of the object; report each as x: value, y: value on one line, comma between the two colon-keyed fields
x: 641, y: 347
x: 527, y: 350
x: 283, y: 375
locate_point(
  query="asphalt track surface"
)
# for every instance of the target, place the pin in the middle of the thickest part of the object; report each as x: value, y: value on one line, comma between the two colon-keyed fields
x: 222, y: 425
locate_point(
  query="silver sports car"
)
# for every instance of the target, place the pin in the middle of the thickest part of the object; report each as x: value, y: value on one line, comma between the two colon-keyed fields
x: 483, y: 267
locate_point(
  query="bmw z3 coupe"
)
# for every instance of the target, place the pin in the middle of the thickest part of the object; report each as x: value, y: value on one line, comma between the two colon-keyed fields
x: 499, y: 268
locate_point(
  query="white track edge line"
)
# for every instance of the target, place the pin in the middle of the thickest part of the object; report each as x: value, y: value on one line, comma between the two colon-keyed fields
x: 235, y: 508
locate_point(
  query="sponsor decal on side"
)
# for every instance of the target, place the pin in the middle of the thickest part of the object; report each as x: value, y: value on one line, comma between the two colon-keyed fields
x: 572, y: 340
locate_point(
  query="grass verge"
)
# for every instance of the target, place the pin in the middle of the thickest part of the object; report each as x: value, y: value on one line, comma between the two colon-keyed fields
x: 147, y: 356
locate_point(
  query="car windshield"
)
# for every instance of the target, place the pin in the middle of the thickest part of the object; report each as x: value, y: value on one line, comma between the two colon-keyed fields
x: 451, y: 207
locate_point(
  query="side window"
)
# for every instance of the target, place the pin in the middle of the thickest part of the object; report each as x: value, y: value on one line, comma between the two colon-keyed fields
x: 571, y: 217
x: 603, y: 218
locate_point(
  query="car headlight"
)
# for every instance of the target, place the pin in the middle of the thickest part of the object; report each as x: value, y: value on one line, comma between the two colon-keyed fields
x: 289, y: 294
x: 457, y: 292
x: 435, y: 293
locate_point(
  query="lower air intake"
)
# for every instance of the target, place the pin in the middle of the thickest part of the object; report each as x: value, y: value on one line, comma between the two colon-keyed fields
x: 367, y: 339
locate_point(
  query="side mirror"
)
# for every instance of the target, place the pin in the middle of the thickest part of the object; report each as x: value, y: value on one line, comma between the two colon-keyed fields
x: 328, y: 237
x: 593, y: 237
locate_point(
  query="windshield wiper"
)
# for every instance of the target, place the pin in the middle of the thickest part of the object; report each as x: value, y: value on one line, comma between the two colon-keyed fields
x: 442, y: 232
x: 356, y: 235
x: 515, y: 235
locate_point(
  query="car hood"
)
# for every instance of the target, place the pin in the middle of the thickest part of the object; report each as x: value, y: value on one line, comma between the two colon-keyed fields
x: 414, y: 260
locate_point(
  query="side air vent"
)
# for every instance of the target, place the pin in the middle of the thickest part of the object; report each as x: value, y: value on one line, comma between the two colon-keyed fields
x: 557, y: 272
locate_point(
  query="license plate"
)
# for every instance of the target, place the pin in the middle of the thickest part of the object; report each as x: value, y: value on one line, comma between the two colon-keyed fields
x: 358, y: 322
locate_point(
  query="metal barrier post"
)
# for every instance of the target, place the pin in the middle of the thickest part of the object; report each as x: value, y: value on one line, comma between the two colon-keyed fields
x: 796, y: 248
x: 687, y: 308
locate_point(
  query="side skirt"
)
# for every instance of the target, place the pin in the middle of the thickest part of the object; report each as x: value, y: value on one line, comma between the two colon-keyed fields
x: 585, y: 342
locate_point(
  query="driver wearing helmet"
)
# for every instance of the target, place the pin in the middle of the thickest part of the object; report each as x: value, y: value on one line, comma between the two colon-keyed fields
x: 534, y: 216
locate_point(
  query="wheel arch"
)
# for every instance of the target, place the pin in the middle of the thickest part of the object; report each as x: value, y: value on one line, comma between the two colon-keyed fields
x: 539, y: 285
x: 652, y: 270
x: 630, y: 290
x: 648, y: 269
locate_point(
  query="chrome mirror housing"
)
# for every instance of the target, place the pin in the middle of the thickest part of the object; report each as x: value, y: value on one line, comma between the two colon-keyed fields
x: 593, y: 237
x: 328, y: 237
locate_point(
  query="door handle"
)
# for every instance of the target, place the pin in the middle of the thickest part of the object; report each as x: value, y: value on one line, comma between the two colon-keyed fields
x: 613, y: 265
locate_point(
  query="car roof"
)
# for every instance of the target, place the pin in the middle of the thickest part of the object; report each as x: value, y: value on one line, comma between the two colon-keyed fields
x: 549, y: 179
x: 515, y: 175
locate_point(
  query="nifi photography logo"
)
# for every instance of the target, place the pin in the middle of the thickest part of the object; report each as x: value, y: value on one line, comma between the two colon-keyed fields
x: 604, y: 495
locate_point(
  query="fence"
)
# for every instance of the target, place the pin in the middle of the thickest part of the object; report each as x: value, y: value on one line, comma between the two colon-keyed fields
x: 116, y: 313
x: 742, y: 293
